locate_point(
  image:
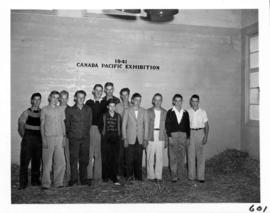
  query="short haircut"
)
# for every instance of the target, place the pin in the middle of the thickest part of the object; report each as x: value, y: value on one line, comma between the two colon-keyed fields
x: 195, y: 96
x: 177, y: 96
x: 80, y: 92
x: 54, y: 92
x: 124, y: 90
x: 111, y: 101
x: 108, y: 84
x: 157, y: 94
x: 64, y: 92
x: 36, y: 94
x: 136, y: 95
x: 98, y: 85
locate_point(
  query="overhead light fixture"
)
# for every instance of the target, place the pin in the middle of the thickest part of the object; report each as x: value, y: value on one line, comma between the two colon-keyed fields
x: 161, y: 15
x: 154, y: 15
x: 132, y: 11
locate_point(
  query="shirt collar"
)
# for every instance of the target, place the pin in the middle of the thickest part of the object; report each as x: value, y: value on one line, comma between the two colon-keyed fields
x: 175, y: 110
x: 114, y: 115
x: 99, y: 100
x: 196, y: 110
x: 122, y: 103
x: 105, y: 98
x: 76, y: 107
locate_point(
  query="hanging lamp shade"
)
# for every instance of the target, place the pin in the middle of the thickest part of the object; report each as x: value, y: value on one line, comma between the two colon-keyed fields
x: 161, y: 15
x: 133, y: 11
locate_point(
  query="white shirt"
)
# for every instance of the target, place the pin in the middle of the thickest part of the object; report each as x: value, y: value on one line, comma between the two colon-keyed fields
x: 178, y: 114
x: 197, y: 118
x: 98, y: 100
x: 136, y: 113
x: 157, y: 118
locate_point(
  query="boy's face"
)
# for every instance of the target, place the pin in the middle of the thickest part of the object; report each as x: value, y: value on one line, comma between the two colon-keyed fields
x: 137, y: 101
x: 111, y: 107
x: 125, y: 96
x: 157, y: 101
x: 98, y: 92
x: 36, y: 101
x: 109, y: 91
x: 63, y: 99
x: 54, y: 99
x: 178, y: 102
x: 79, y: 98
x: 194, y: 102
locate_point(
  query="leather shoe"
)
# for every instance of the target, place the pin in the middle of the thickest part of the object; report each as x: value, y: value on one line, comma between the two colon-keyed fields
x: 44, y: 188
x: 71, y: 183
x: 22, y: 187
x: 36, y: 183
x: 174, y: 180
x: 158, y: 181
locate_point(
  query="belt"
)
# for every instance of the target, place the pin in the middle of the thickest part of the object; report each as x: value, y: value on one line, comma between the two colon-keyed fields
x: 156, y: 129
x: 196, y: 129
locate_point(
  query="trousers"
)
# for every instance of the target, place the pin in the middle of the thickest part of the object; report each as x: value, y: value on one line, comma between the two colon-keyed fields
x: 79, y: 152
x: 155, y: 157
x: 53, y: 156
x: 67, y: 154
x: 134, y: 160
x: 177, y: 154
x: 122, y: 161
x: 111, y: 156
x: 94, y: 168
x: 31, y: 150
x: 196, y: 157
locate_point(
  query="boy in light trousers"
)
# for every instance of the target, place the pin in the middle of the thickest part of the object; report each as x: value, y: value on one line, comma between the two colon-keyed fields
x: 53, y: 142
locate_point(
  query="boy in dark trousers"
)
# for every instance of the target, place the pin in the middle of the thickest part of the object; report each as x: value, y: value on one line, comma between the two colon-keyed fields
x: 31, y: 145
x: 110, y: 128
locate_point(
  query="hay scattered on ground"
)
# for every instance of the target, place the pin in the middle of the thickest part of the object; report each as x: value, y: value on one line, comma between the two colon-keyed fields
x: 231, y: 177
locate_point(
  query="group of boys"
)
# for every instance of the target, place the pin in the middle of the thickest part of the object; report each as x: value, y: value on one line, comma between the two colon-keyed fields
x: 104, y: 138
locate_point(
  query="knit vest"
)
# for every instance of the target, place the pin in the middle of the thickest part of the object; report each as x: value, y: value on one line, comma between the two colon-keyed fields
x: 33, y: 120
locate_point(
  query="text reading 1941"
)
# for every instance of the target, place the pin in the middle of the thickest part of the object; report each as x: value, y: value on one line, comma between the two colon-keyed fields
x: 118, y: 64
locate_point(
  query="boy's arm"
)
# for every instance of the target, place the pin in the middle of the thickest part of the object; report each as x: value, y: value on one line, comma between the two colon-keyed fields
x: 168, y: 125
x: 21, y: 123
x: 124, y: 127
x: 165, y: 135
x: 119, y: 125
x: 67, y: 122
x: 63, y: 127
x: 206, y: 131
x: 188, y: 125
x: 42, y: 129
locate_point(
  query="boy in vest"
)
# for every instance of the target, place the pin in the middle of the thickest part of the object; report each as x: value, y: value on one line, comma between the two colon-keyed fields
x: 110, y: 128
x: 29, y: 130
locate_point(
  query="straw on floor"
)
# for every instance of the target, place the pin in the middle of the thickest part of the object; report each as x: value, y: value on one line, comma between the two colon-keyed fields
x: 231, y: 176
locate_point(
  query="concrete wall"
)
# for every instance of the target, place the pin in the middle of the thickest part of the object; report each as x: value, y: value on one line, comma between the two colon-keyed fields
x: 250, y: 129
x: 192, y: 59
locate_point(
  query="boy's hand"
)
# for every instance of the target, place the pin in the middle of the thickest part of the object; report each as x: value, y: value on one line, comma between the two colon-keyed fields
x: 64, y: 142
x: 125, y: 143
x: 145, y: 143
x: 204, y: 140
x: 45, y: 144
x: 165, y: 144
x: 188, y: 141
